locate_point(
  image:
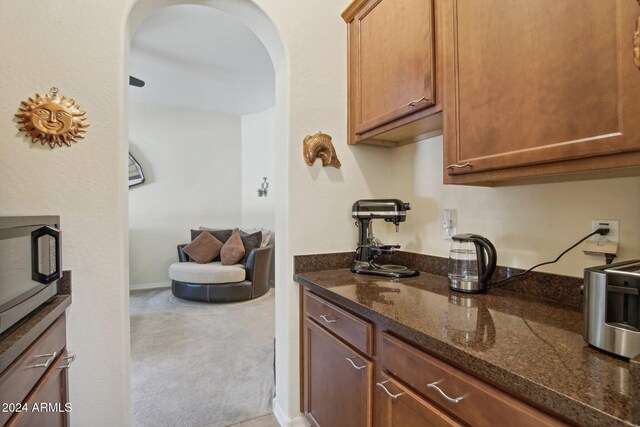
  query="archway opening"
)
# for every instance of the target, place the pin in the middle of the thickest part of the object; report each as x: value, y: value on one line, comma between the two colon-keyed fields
x: 166, y: 105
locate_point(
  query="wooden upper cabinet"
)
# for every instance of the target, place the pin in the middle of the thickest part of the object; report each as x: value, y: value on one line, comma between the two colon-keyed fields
x: 394, y: 61
x: 539, y: 87
x: 392, y: 70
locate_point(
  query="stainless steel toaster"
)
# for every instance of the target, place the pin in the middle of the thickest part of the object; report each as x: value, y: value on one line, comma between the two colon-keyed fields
x: 612, y: 307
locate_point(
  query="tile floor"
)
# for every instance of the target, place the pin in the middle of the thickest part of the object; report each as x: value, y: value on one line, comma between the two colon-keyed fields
x: 265, y: 421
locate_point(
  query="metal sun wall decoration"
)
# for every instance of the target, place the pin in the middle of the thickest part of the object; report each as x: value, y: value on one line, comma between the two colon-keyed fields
x: 51, y: 119
x: 320, y: 145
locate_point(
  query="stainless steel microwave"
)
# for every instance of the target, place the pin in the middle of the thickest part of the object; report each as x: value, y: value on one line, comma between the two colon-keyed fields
x: 29, y: 265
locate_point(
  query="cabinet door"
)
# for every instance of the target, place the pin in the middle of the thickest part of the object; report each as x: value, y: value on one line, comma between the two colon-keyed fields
x: 391, y: 64
x: 337, y: 382
x: 46, y: 402
x: 536, y: 82
x: 17, y: 381
x: 402, y: 407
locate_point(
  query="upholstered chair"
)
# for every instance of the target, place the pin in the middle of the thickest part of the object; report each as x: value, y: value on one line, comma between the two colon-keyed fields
x: 214, y: 282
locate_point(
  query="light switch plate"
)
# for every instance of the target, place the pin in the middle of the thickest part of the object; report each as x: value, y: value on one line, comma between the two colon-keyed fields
x: 449, y: 218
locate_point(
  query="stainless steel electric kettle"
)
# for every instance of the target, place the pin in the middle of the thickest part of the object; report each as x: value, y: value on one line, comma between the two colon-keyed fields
x: 472, y: 261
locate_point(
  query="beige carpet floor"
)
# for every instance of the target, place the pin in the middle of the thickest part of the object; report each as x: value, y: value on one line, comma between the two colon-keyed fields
x: 197, y: 364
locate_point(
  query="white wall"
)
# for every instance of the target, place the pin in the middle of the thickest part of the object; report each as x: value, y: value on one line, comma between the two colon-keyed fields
x: 258, y: 160
x: 192, y: 163
x: 528, y: 224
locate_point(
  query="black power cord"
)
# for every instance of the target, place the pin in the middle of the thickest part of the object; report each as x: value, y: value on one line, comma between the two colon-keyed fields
x: 601, y: 231
x: 608, y: 258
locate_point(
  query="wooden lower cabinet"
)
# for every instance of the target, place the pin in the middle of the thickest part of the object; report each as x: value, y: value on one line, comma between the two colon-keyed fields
x: 402, y: 407
x: 35, y: 386
x: 457, y: 393
x: 47, y: 401
x: 412, y: 387
x: 337, y: 381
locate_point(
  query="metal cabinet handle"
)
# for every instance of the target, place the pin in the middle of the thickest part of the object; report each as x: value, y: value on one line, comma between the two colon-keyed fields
x: 434, y: 385
x: 391, y: 395
x: 70, y: 360
x: 636, y: 44
x: 50, y: 358
x: 417, y: 101
x: 457, y: 166
x: 325, y: 317
x: 350, y: 359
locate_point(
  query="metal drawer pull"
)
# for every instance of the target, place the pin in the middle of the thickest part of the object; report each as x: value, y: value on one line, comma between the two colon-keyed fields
x: 350, y: 359
x: 46, y: 364
x: 325, y: 317
x: 435, y: 385
x: 417, y: 101
x: 456, y: 166
x: 69, y: 360
x: 391, y: 395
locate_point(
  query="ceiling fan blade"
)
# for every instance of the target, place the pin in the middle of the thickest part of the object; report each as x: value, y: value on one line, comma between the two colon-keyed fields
x: 135, y: 82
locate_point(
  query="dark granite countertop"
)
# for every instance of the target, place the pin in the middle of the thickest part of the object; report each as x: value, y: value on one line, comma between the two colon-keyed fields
x: 529, y: 346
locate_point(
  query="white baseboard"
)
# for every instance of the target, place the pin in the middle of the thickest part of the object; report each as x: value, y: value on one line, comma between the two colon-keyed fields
x: 284, y: 421
x: 143, y: 286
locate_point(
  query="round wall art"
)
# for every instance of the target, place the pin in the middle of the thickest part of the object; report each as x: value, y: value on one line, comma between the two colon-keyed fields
x: 51, y: 119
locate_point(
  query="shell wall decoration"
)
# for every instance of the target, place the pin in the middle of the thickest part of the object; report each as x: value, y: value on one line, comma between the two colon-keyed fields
x: 51, y: 119
x: 320, y: 145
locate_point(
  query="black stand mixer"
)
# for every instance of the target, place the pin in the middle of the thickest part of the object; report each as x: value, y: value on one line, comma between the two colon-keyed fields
x: 369, y: 248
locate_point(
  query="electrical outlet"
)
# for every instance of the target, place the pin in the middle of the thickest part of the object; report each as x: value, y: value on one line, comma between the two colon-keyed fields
x: 449, y: 233
x: 614, y: 230
x: 607, y: 244
x: 449, y: 223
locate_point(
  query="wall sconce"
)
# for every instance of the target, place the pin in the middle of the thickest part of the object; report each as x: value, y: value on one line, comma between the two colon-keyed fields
x: 262, y: 191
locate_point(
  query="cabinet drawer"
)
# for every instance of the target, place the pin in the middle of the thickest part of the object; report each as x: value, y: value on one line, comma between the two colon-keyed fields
x: 22, y: 375
x: 350, y: 328
x: 402, y: 407
x: 470, y: 399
